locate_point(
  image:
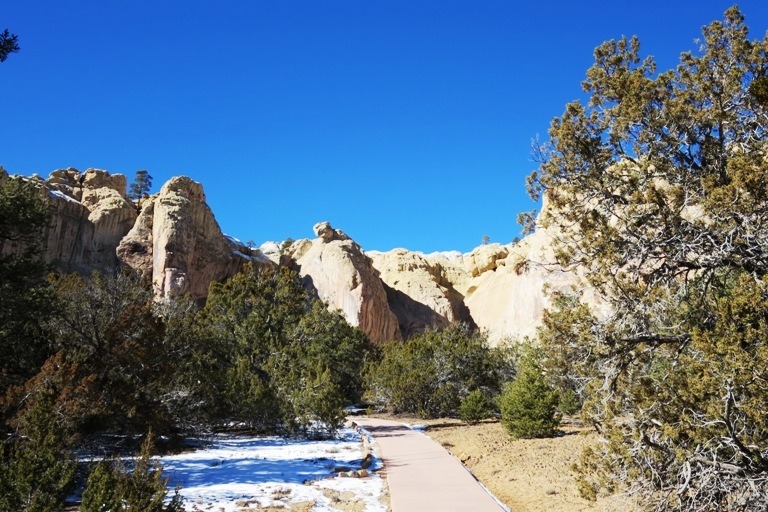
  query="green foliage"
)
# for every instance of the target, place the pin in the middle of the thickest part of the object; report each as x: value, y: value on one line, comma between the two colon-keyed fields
x: 140, y: 186
x: 475, y: 407
x: 290, y: 362
x: 657, y: 190
x: 115, y: 365
x: 112, y: 486
x: 26, y: 300
x: 529, y: 404
x: 9, y: 43
x: 36, y: 473
x: 431, y: 373
x: 102, y: 493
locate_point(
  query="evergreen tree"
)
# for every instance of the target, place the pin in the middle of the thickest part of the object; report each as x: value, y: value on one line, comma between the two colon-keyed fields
x: 113, y: 486
x: 475, y: 407
x: 9, y: 43
x: 286, y: 361
x: 529, y: 404
x: 140, y: 186
x: 26, y: 300
x: 657, y: 191
x: 115, y: 366
x: 102, y: 491
x: 36, y: 472
x: 431, y: 373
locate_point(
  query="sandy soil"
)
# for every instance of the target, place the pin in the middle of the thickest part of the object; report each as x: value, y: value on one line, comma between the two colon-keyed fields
x: 528, y: 475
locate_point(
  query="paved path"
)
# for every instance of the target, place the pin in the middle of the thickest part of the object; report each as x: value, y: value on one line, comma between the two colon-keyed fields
x: 422, y: 475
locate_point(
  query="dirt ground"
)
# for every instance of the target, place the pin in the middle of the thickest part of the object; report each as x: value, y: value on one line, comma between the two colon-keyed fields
x: 528, y: 475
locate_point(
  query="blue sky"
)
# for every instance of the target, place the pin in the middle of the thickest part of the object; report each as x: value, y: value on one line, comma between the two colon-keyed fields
x: 404, y: 123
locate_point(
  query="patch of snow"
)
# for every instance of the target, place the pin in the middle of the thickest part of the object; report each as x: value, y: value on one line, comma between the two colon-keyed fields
x: 235, y: 472
x: 62, y: 195
x: 269, y: 247
x: 233, y: 239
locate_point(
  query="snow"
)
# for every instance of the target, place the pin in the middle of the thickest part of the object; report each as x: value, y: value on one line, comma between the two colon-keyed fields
x: 62, y: 195
x: 233, y: 239
x: 233, y: 473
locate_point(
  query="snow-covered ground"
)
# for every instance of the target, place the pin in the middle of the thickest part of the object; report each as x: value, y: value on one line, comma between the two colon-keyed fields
x: 235, y: 473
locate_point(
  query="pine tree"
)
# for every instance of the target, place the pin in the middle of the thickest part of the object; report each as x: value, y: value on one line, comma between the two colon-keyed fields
x: 9, y: 43
x: 475, y: 407
x: 657, y: 191
x: 141, y: 185
x: 113, y: 486
x: 529, y: 404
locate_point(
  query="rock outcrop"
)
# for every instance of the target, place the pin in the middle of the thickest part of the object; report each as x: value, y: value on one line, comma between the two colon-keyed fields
x: 498, y: 288
x: 90, y: 214
x: 418, y: 293
x: 345, y: 279
x: 177, y: 243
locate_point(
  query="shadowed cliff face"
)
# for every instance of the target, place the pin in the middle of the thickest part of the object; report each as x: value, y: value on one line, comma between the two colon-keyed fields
x: 175, y: 243
x: 90, y: 215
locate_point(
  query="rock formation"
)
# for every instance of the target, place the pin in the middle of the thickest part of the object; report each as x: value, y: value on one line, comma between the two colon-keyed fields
x: 177, y: 243
x: 344, y: 278
x: 418, y: 293
x: 498, y: 288
x: 90, y: 214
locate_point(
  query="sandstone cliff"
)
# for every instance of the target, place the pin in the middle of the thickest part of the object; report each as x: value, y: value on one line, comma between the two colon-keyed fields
x: 177, y: 243
x: 418, y: 292
x: 90, y: 214
x: 344, y: 278
x: 498, y: 288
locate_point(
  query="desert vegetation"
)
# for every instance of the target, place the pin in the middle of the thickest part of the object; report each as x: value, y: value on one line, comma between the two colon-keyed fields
x: 86, y: 358
x: 659, y: 189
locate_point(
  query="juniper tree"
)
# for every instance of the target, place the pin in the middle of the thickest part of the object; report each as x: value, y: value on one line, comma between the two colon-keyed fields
x: 658, y: 188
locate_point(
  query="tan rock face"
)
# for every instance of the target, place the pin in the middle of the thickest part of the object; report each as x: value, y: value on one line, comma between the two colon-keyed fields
x: 499, y: 288
x: 178, y: 240
x: 509, y: 300
x: 90, y: 214
x: 417, y: 292
x: 344, y: 278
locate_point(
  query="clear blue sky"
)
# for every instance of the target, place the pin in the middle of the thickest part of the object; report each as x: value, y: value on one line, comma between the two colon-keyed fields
x: 404, y: 123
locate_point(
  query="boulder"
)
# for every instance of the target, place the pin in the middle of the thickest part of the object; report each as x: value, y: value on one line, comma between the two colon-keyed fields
x: 344, y: 278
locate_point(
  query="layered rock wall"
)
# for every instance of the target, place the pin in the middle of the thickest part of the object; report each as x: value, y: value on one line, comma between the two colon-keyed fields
x: 175, y: 243
x: 90, y: 215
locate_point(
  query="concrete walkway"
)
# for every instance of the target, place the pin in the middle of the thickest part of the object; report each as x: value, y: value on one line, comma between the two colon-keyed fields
x: 422, y: 475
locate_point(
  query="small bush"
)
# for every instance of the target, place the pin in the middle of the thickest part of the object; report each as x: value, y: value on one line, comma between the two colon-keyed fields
x: 112, y: 486
x: 475, y: 407
x: 529, y: 404
x: 36, y: 472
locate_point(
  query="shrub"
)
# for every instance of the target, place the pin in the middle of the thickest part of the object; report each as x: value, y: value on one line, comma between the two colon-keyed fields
x: 112, y: 486
x: 431, y: 373
x: 36, y: 472
x: 475, y: 407
x: 529, y: 404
